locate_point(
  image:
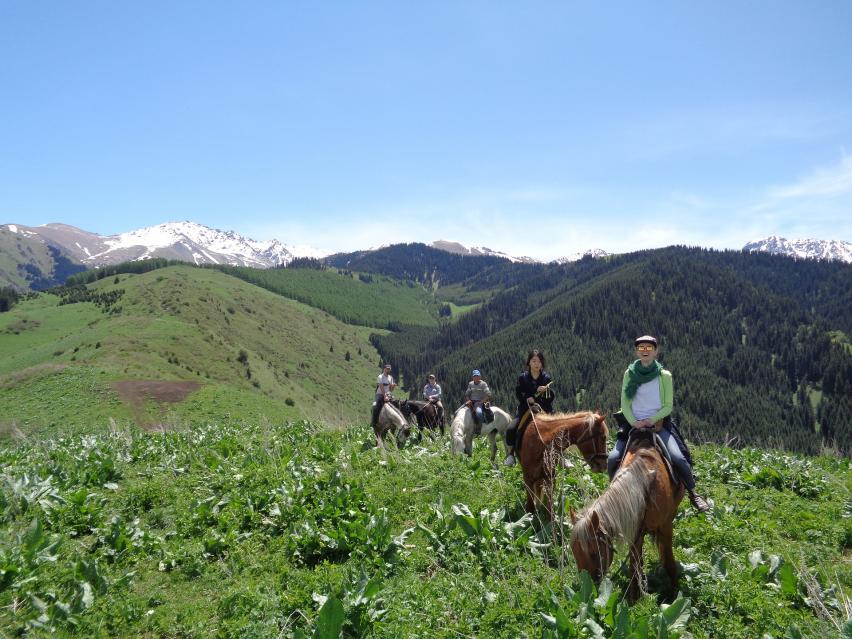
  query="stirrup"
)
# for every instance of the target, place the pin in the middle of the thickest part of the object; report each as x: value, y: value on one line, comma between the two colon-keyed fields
x: 698, y: 502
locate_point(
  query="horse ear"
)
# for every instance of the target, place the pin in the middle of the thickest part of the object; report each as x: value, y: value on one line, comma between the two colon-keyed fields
x: 596, y: 523
x: 573, y: 514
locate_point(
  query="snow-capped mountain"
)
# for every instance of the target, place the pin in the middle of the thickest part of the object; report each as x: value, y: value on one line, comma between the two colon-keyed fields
x: 461, y: 249
x: 804, y: 248
x: 186, y: 241
x: 573, y: 257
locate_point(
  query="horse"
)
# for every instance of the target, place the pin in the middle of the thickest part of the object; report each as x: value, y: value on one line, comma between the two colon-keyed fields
x: 426, y: 414
x: 461, y: 430
x: 641, y: 499
x: 394, y: 418
x: 542, y: 444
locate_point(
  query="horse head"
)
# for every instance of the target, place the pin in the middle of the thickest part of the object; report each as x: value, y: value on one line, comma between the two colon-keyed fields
x: 591, y: 544
x: 592, y: 443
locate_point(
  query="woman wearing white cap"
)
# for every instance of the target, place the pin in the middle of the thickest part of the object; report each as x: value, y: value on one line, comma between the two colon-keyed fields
x: 647, y: 399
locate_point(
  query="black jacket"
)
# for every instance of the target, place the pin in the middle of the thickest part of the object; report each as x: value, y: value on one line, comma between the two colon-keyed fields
x: 527, y: 387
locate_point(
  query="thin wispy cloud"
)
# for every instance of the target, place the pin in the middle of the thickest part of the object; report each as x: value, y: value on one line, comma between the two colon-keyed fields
x: 824, y: 182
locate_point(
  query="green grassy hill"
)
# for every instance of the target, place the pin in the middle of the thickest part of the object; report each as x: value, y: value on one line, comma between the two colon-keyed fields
x: 373, y: 300
x: 253, y: 353
x: 292, y: 530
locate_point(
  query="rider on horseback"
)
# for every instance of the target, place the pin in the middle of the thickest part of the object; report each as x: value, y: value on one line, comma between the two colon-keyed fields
x: 432, y: 393
x: 384, y: 386
x: 533, y: 388
x: 476, y: 399
x: 647, y: 398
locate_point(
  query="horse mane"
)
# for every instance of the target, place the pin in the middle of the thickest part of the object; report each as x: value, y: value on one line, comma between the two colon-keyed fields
x: 401, y: 421
x: 550, y: 426
x: 621, y: 507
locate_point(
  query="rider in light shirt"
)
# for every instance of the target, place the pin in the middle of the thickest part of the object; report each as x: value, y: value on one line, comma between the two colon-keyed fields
x: 384, y: 387
x: 432, y: 393
x: 647, y: 399
x: 476, y: 397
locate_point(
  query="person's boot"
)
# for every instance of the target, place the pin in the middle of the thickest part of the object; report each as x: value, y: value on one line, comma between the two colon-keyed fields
x: 698, y: 502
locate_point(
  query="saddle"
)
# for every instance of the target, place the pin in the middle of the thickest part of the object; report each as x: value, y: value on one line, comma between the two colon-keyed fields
x: 487, y: 414
x: 525, y: 421
x: 636, y: 433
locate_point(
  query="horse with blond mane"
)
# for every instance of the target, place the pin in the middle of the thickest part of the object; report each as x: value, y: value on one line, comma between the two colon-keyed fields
x: 641, y: 499
x: 542, y: 442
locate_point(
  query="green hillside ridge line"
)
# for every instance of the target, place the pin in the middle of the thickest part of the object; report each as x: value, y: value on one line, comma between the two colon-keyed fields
x: 185, y: 323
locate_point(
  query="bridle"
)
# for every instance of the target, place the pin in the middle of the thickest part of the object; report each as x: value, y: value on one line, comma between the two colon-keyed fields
x: 601, y: 536
x: 590, y: 434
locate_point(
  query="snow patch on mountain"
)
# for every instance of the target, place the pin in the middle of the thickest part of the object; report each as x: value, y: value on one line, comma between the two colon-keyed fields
x: 461, y: 249
x: 202, y: 244
x: 594, y: 253
x: 806, y: 249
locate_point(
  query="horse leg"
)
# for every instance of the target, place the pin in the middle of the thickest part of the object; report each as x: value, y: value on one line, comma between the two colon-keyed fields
x: 492, y: 439
x: 530, y: 487
x: 664, y: 546
x: 637, y: 575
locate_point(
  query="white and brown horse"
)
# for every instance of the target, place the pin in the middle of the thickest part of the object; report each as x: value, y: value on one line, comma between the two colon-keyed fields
x: 462, y: 430
x: 393, y: 418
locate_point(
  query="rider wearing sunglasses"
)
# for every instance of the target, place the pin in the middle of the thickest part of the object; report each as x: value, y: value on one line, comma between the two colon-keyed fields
x: 647, y: 399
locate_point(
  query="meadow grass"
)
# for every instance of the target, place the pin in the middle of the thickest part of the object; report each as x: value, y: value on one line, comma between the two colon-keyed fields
x: 246, y: 529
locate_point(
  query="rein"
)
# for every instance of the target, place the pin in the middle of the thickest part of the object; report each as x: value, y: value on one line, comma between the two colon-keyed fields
x: 589, y: 434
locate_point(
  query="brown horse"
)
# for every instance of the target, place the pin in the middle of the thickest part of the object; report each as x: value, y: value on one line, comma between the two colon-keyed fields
x: 640, y: 500
x: 542, y: 444
x: 427, y: 417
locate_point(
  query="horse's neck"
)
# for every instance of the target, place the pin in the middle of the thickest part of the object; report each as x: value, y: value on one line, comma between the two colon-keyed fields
x: 567, y: 435
x: 622, y: 505
x: 395, y: 414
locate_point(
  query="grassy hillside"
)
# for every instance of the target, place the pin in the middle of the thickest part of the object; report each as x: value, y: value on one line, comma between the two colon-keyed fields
x: 252, y: 352
x: 373, y: 300
x: 291, y: 530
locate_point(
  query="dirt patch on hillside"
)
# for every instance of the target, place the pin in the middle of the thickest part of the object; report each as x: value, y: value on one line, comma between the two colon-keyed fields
x: 135, y: 392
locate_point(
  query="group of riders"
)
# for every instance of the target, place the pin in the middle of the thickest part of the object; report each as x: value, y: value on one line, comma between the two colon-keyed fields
x: 647, y: 400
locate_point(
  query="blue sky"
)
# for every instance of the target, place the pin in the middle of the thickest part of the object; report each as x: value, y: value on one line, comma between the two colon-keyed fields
x: 532, y: 128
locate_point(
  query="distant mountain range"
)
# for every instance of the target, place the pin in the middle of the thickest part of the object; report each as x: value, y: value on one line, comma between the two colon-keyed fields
x: 185, y: 241
x: 39, y: 257
x: 806, y: 249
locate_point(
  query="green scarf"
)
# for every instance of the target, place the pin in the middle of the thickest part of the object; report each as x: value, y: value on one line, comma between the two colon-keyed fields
x: 638, y: 375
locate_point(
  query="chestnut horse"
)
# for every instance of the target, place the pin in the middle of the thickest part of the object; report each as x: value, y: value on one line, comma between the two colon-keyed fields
x: 640, y: 500
x: 543, y: 442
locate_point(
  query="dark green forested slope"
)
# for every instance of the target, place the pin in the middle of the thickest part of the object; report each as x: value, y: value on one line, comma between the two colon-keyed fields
x: 757, y: 344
